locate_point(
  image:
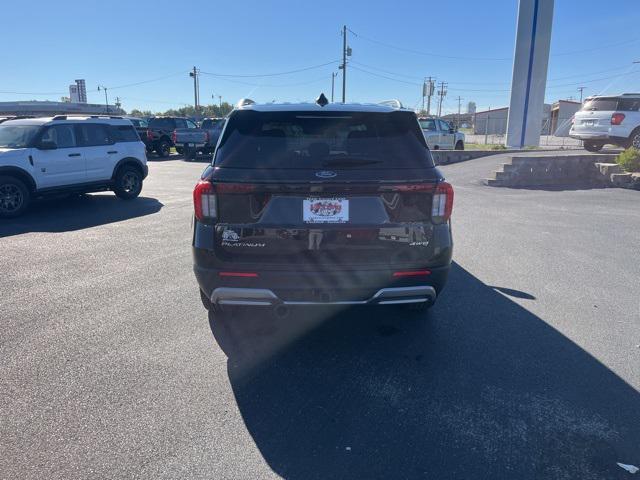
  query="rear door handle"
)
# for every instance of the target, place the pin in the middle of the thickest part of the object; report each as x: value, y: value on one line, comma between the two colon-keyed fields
x: 74, y: 154
x: 112, y: 151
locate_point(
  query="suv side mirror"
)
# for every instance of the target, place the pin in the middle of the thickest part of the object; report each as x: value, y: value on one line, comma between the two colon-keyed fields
x: 47, y: 145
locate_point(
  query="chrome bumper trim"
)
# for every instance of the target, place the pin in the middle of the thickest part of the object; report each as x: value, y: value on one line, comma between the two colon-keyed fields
x: 265, y: 297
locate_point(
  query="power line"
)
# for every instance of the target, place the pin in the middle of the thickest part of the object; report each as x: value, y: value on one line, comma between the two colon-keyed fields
x: 254, y: 75
x: 384, y: 76
x: 428, y: 54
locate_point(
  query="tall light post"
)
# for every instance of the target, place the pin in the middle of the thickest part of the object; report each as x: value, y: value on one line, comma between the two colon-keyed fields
x: 106, y: 98
x: 333, y: 81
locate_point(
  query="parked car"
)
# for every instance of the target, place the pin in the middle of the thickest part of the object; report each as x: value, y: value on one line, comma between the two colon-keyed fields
x: 198, y: 140
x: 65, y: 154
x: 158, y: 135
x: 334, y: 204
x: 608, y: 120
x: 441, y: 135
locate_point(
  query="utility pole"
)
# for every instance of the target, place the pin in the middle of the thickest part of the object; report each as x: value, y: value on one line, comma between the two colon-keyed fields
x: 220, y: 101
x: 442, y: 93
x: 118, y: 104
x: 346, y: 52
x: 196, y: 87
x: 333, y: 81
x: 459, y: 105
x: 429, y: 84
x: 106, y: 98
x: 581, y: 89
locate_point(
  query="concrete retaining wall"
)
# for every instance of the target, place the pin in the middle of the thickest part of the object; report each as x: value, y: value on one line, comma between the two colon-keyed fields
x: 537, y: 171
x: 444, y: 157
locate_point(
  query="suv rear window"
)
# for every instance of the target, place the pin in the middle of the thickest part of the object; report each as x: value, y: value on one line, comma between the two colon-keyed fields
x: 211, y: 123
x: 312, y: 140
x: 601, y: 104
x: 163, y: 123
x: 124, y: 133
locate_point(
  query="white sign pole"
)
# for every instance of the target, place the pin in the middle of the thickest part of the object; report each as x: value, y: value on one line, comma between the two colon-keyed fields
x: 529, y: 80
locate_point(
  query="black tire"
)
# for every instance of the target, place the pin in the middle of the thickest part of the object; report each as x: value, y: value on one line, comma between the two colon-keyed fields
x: 128, y: 183
x: 163, y: 149
x: 179, y: 150
x: 190, y: 153
x: 14, y: 197
x: 634, y: 139
x: 459, y: 145
x: 593, y: 146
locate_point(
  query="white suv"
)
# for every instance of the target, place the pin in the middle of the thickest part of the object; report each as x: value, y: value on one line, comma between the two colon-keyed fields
x: 40, y: 156
x: 608, y: 120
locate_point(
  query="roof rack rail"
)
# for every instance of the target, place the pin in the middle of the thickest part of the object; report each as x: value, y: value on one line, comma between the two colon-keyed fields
x: 394, y: 103
x: 80, y: 115
x: 245, y: 101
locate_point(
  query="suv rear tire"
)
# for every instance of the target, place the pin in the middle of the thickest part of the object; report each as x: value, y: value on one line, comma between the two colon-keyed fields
x: 128, y: 183
x: 634, y: 139
x: 14, y: 197
x: 459, y: 145
x: 593, y: 146
x: 163, y: 149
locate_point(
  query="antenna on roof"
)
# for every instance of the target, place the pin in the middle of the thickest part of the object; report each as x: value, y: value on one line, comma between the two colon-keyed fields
x: 395, y: 103
x: 322, y: 100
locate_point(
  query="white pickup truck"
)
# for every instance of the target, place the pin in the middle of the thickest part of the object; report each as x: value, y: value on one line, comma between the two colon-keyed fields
x: 440, y: 135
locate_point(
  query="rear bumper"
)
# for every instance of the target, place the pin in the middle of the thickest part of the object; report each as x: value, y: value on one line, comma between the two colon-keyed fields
x: 355, y: 286
x: 266, y: 297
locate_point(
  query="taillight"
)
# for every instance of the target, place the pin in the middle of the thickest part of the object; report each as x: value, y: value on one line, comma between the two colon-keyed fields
x: 149, y: 134
x: 204, y: 201
x: 206, y: 137
x: 174, y: 136
x: 442, y: 203
x: 617, y: 118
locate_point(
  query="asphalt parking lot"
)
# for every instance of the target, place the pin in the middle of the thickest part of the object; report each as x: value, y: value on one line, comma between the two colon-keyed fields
x: 527, y: 367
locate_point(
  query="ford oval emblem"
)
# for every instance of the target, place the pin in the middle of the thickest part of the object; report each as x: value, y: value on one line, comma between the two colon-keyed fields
x: 326, y: 174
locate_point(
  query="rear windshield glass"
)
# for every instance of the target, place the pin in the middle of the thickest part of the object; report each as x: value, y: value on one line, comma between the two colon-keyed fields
x: 322, y: 140
x: 124, y: 133
x: 165, y: 123
x: 601, y: 104
x: 212, y: 123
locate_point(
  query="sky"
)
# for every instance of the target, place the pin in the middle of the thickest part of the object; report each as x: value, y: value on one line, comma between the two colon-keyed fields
x: 142, y: 50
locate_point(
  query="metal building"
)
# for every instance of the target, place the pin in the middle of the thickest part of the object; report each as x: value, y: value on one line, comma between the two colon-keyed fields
x: 45, y: 108
x: 561, y: 114
x: 494, y: 121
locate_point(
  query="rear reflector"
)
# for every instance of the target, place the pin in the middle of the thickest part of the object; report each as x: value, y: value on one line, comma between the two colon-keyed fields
x: 238, y: 274
x: 412, y: 273
x: 204, y: 201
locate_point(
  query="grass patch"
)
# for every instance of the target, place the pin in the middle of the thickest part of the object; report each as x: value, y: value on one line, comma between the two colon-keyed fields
x: 629, y: 160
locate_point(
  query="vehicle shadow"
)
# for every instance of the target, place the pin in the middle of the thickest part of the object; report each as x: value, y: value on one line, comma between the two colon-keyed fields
x: 61, y: 214
x: 482, y: 388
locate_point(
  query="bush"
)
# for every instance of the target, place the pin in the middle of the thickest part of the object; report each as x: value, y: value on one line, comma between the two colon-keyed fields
x: 629, y: 160
x: 498, y: 147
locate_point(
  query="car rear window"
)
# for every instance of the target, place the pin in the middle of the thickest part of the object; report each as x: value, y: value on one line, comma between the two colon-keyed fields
x: 211, y: 123
x: 312, y: 140
x: 165, y: 123
x: 124, y: 133
x: 601, y: 104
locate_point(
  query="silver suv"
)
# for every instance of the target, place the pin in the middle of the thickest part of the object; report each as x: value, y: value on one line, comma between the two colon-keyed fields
x: 608, y: 120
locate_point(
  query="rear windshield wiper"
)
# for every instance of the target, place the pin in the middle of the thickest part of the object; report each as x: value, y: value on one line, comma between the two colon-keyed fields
x: 349, y: 162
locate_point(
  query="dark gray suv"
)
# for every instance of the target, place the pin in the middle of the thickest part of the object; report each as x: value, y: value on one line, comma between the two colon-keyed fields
x: 331, y: 204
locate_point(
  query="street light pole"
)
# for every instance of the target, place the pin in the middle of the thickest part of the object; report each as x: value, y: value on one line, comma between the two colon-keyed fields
x: 344, y: 63
x: 333, y: 81
x: 106, y: 98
